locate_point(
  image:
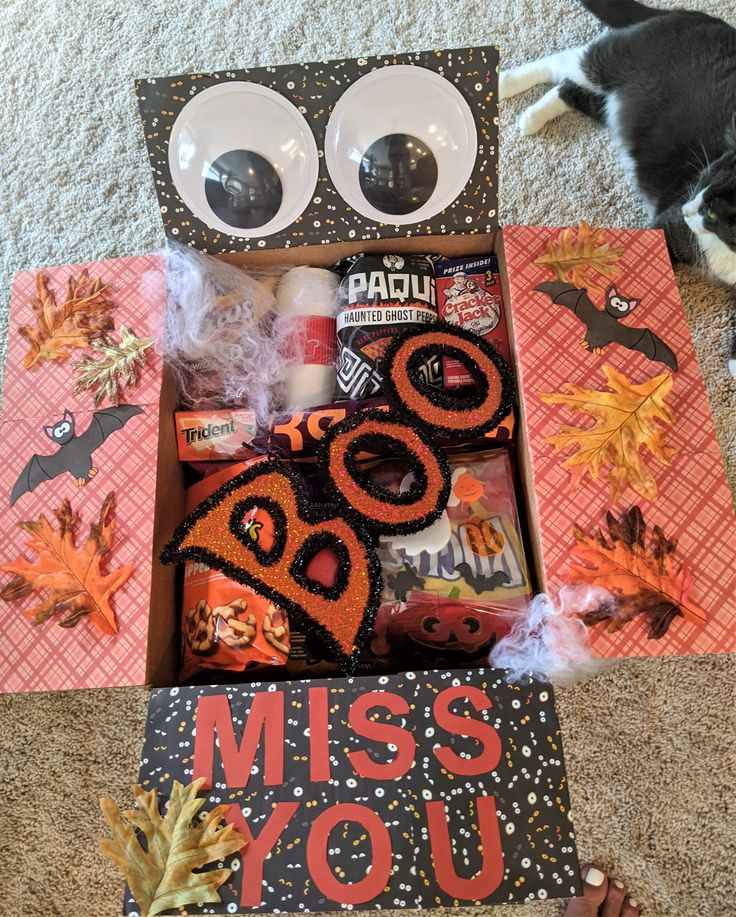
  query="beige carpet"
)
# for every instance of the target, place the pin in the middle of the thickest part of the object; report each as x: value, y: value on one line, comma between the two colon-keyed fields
x: 650, y: 744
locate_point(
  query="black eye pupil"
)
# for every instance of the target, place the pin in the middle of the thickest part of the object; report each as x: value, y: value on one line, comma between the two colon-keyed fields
x: 398, y: 174
x: 243, y: 189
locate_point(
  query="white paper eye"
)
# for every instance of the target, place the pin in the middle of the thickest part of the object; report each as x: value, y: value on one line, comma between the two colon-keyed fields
x: 243, y: 159
x: 400, y: 144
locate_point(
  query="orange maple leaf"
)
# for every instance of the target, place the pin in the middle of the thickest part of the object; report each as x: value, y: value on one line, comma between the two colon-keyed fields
x: 82, y: 316
x: 629, y: 419
x: 71, y: 575
x: 642, y: 571
x: 576, y: 255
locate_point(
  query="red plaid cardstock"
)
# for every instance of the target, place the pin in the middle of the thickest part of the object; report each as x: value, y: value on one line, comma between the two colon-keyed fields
x: 694, y: 504
x: 48, y: 657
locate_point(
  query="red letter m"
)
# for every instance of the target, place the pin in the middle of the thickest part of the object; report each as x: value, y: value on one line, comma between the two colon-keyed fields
x: 213, y: 717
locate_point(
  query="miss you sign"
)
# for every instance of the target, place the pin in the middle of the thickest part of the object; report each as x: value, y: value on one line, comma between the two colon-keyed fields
x: 418, y: 790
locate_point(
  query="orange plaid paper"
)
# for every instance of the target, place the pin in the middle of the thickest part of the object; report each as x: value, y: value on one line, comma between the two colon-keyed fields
x: 694, y: 504
x: 49, y: 657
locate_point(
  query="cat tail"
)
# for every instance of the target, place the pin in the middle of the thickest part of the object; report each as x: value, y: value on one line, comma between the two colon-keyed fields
x: 620, y: 13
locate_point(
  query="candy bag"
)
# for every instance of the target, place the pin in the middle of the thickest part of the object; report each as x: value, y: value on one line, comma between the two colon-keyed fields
x: 451, y: 590
x: 379, y: 297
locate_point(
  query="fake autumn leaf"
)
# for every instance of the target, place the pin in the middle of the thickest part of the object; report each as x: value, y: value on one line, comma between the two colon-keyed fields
x: 641, y: 570
x: 118, y: 368
x: 577, y: 255
x: 628, y: 419
x: 71, y: 575
x: 83, y: 315
x: 161, y: 876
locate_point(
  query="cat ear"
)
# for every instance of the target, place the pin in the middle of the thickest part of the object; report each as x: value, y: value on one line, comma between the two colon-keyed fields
x: 49, y: 431
x: 633, y: 303
x: 611, y: 290
x: 68, y: 416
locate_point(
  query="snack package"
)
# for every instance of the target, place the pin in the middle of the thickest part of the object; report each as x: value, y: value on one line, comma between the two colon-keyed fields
x: 226, y: 626
x: 214, y: 436
x: 298, y: 433
x: 469, y: 295
x: 379, y: 296
x: 451, y: 590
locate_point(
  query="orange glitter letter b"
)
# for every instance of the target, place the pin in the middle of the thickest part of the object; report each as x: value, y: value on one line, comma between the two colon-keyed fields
x: 258, y: 529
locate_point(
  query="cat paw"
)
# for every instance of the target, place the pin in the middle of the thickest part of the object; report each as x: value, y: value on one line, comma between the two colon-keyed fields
x: 584, y: 344
x: 549, y: 107
x: 80, y: 482
x: 92, y: 472
x: 532, y: 121
x: 511, y: 83
x: 598, y: 351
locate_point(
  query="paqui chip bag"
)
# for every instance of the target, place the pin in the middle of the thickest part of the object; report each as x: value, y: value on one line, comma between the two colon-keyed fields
x: 451, y: 590
x: 379, y: 297
x: 225, y: 625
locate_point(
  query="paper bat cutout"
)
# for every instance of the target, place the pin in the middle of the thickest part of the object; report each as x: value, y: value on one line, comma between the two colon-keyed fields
x: 480, y: 583
x: 75, y: 452
x: 605, y: 327
x: 403, y: 581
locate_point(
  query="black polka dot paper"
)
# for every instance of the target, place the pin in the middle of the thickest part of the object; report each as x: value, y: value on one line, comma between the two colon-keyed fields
x: 418, y: 790
x: 225, y: 185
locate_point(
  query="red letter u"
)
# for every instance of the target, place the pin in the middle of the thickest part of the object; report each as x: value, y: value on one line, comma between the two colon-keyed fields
x: 490, y: 874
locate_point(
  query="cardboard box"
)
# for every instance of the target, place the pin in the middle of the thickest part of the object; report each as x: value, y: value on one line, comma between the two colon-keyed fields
x: 138, y: 462
x: 693, y: 505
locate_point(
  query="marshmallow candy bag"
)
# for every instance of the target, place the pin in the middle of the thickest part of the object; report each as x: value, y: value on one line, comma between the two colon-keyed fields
x: 452, y: 590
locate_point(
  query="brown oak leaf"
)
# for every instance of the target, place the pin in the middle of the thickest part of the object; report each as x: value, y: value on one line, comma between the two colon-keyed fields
x: 82, y: 316
x: 628, y: 419
x: 161, y: 876
x: 72, y: 576
x: 642, y: 572
x: 576, y: 255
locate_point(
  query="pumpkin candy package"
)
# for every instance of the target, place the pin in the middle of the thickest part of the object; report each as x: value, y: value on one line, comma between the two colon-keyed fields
x: 226, y: 626
x: 451, y: 590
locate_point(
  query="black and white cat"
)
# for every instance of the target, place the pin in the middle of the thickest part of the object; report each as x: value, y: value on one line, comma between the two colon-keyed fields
x: 664, y: 83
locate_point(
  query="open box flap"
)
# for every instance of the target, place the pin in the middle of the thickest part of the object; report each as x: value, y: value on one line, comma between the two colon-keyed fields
x: 442, y: 103
x: 666, y: 492
x: 57, y: 446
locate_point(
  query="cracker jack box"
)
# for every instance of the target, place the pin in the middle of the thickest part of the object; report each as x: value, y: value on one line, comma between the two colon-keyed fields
x: 469, y: 294
x: 420, y: 790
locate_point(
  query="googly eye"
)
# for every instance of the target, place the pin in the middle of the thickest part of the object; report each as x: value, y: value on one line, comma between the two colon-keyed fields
x: 400, y: 144
x: 243, y: 159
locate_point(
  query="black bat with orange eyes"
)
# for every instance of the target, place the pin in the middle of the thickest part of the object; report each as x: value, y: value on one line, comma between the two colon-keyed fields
x: 75, y: 452
x: 604, y: 327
